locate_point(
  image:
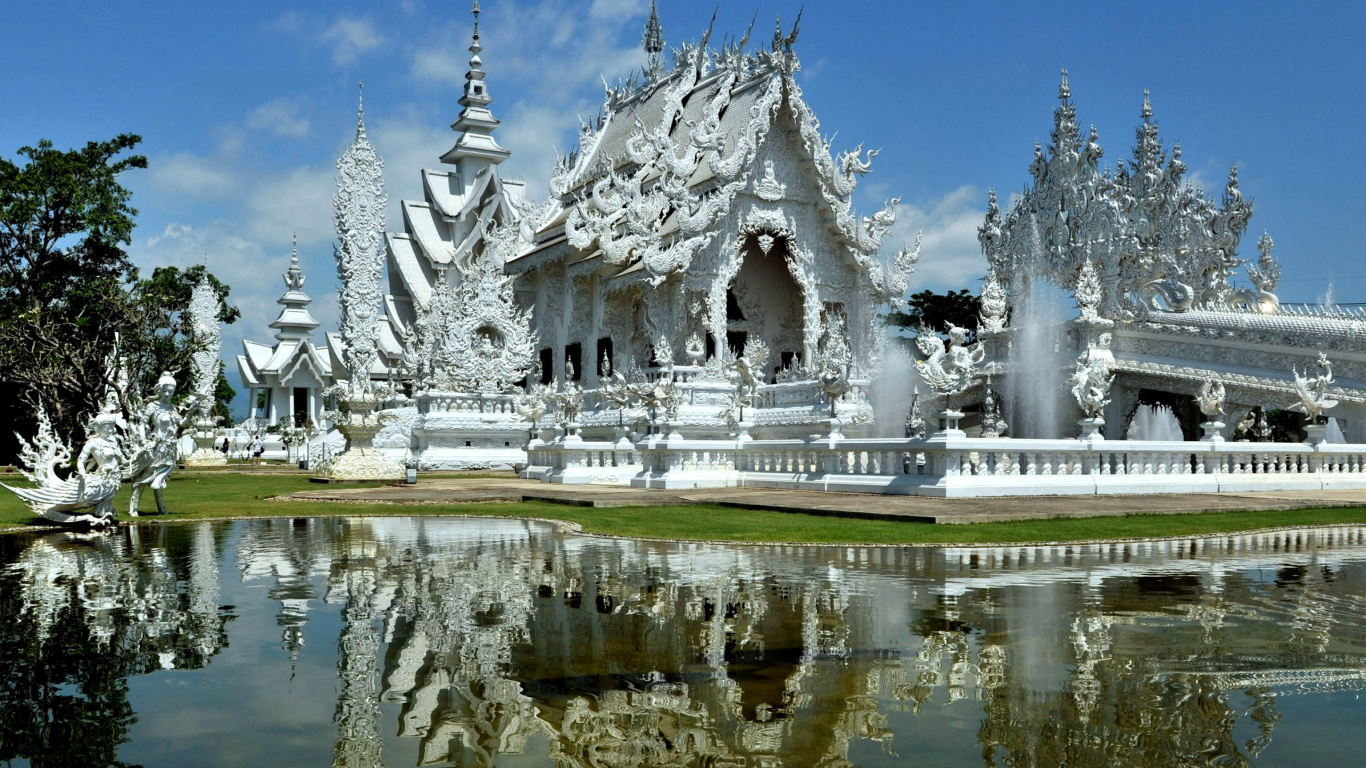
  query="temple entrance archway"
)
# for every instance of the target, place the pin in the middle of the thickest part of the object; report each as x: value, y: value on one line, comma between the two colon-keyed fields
x: 764, y: 301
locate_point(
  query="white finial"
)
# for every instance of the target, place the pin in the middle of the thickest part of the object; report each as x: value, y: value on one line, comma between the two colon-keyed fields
x: 360, y: 108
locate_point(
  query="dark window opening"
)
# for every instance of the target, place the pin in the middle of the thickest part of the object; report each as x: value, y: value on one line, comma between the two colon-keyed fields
x: 300, y: 406
x: 736, y: 341
x: 547, y: 365
x: 791, y: 359
x: 605, y: 354
x: 733, y: 313
x: 711, y: 346
x: 573, y: 355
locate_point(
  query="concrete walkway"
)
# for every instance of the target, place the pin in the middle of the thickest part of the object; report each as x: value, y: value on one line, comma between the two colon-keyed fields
x: 914, y: 509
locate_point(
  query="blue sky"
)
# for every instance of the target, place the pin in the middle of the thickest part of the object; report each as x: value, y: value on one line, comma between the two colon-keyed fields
x: 244, y: 107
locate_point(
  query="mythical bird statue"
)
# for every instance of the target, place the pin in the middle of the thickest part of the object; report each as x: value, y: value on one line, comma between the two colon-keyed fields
x: 948, y: 371
x: 87, y: 496
x: 1091, y: 386
x: 1211, y: 399
x: 1313, y: 390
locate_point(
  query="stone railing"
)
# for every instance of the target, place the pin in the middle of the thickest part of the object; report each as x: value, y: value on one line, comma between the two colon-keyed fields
x: 950, y: 466
x: 465, y: 402
x: 573, y: 460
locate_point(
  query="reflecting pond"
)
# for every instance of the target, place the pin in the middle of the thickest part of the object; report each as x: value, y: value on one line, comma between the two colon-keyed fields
x: 446, y: 641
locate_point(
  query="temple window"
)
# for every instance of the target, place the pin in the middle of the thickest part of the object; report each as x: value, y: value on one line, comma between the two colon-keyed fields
x: 604, y: 353
x: 547, y: 365
x: 573, y: 355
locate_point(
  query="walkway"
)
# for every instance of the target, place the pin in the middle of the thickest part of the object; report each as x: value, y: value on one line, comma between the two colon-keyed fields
x: 914, y: 509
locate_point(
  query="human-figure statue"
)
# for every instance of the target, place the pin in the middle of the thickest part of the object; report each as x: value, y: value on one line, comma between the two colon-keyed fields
x: 157, y: 430
x: 87, y: 496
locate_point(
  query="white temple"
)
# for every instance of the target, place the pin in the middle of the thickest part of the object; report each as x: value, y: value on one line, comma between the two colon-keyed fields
x: 698, y: 304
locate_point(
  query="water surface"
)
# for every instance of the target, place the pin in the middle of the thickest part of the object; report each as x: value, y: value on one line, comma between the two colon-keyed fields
x: 458, y: 642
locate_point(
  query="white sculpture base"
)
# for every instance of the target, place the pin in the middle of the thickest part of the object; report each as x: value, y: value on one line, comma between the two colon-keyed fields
x: 1090, y: 428
x: 362, y: 461
x: 364, y: 464
x: 1316, y: 434
x: 205, y: 454
x: 948, y: 424
x: 206, y: 457
x: 1213, y: 431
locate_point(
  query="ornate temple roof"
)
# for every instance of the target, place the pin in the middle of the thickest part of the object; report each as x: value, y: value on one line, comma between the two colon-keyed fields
x: 662, y: 164
x: 447, y: 229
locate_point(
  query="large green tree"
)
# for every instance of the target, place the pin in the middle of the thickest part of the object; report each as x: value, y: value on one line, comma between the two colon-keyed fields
x: 67, y: 287
x: 937, y: 310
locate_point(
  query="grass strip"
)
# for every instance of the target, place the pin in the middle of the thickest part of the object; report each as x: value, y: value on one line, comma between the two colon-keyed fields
x: 209, y: 495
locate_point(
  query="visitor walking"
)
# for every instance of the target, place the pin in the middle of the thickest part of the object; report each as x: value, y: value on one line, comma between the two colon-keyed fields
x: 256, y: 450
x: 224, y: 448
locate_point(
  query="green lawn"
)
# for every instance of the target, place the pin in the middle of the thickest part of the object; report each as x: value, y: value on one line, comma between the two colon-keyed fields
x: 220, y: 494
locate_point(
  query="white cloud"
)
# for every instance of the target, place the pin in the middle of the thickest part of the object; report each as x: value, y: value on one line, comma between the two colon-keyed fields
x: 350, y: 37
x: 950, y: 256
x: 173, y: 231
x: 281, y: 117
x: 189, y: 175
x: 408, y: 142
x: 296, y: 201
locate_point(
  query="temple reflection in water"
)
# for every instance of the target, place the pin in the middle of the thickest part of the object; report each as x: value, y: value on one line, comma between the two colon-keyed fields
x: 461, y: 642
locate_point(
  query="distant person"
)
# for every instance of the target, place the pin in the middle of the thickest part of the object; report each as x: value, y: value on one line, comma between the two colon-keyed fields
x: 256, y: 450
x: 224, y: 449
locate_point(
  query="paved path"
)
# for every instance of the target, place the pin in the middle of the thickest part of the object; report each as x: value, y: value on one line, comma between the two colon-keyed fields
x: 916, y: 509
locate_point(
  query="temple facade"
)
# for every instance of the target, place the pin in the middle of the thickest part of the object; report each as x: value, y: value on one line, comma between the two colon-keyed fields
x: 701, y: 221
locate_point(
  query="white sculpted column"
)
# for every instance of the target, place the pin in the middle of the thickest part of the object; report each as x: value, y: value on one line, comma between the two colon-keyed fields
x: 358, y: 211
x: 208, y: 338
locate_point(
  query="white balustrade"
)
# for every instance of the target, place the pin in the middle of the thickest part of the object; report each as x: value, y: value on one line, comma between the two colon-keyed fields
x: 972, y: 466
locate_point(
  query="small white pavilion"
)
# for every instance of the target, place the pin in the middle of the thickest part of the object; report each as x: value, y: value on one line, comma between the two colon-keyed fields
x: 292, y: 372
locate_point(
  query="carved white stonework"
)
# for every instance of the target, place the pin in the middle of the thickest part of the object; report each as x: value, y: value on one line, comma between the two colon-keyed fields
x: 1157, y: 242
x: 992, y: 318
x: 207, y: 336
x: 1088, y: 290
x: 1091, y: 385
x: 1313, y: 390
x: 948, y: 370
x: 358, y: 213
x: 769, y: 188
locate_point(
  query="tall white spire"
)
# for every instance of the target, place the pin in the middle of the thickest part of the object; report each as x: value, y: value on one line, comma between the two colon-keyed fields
x: 476, y: 123
x: 358, y: 213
